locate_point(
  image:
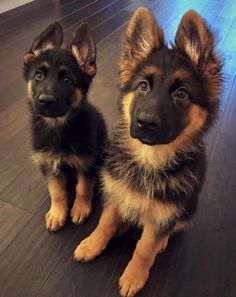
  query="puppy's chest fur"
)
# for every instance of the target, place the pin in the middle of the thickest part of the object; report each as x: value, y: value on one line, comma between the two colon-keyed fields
x: 72, y: 144
x: 53, y: 162
x: 148, y: 193
x: 135, y: 207
x: 174, y: 182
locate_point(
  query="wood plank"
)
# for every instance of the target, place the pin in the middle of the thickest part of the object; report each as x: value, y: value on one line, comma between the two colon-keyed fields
x: 228, y: 125
x: 229, y: 10
x: 12, y: 43
x: 74, y: 279
x: 48, y: 9
x: 24, y: 192
x: 230, y: 42
x: 33, y: 255
x: 14, y: 157
x: 234, y: 23
x: 208, y: 10
x: 211, y: 136
x: 12, y: 221
x: 10, y: 121
x: 96, y: 19
x: 221, y: 27
x: 228, y: 53
x: 229, y: 78
x: 105, y: 93
x: 79, y: 15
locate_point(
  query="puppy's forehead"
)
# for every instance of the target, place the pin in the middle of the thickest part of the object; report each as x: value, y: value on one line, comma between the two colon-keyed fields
x: 56, y: 59
x: 166, y: 64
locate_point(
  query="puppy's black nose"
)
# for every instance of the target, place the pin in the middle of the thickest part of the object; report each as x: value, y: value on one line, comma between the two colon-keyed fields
x: 46, y: 100
x: 147, y: 121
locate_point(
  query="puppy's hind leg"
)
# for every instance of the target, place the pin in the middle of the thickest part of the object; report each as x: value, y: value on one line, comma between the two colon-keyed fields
x: 83, y: 200
x: 56, y: 216
x: 93, y: 245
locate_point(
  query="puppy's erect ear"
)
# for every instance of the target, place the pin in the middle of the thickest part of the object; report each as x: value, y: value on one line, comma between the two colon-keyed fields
x: 51, y: 37
x: 196, y: 41
x: 142, y: 36
x: 194, y: 38
x: 83, y: 48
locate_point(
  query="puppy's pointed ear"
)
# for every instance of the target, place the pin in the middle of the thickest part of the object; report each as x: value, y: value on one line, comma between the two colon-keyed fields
x: 83, y: 48
x: 194, y: 38
x: 51, y: 37
x: 142, y: 36
x: 196, y: 41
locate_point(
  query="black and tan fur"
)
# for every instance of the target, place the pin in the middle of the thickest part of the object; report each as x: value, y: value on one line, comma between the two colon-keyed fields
x: 68, y: 133
x: 156, y: 161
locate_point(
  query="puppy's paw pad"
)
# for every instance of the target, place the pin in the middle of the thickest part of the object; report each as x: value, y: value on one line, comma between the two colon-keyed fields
x: 80, y: 212
x: 55, y: 219
x: 85, y: 251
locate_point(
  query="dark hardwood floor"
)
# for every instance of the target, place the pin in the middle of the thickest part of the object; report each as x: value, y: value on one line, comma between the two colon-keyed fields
x: 200, y: 262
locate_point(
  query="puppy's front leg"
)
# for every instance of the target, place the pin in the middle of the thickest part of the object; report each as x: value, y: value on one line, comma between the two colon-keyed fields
x: 56, y: 216
x: 93, y: 245
x: 137, y: 271
x: 83, y: 200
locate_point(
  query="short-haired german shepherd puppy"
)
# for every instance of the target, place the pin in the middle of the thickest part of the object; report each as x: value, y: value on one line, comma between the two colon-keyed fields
x: 156, y: 161
x: 68, y: 133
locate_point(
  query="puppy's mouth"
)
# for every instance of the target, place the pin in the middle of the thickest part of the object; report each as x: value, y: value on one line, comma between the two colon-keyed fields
x: 50, y: 110
x: 51, y: 114
x: 147, y: 141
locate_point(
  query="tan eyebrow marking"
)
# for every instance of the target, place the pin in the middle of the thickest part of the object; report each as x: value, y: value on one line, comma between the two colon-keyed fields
x: 62, y: 67
x: 148, y: 70
x: 151, y: 69
x: 45, y: 64
x: 180, y: 74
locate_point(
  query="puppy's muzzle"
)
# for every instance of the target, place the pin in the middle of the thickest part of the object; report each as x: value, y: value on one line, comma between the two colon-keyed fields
x: 46, y: 101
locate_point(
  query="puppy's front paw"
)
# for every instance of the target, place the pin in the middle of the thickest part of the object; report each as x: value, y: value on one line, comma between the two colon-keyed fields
x: 55, y: 218
x: 80, y: 211
x: 89, y: 248
x: 132, y: 280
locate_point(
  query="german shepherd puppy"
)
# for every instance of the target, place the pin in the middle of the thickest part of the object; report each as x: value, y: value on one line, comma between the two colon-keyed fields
x: 156, y: 161
x: 68, y: 133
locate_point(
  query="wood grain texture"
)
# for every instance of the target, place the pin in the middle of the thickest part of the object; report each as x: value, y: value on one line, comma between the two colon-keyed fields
x: 12, y: 220
x: 14, y: 156
x: 228, y: 125
x: 200, y: 262
x: 30, y: 258
x: 27, y: 191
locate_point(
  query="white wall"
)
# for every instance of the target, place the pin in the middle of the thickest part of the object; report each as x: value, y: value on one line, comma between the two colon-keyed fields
x: 10, y: 4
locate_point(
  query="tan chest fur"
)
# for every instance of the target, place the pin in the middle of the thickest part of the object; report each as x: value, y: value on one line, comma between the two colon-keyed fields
x: 54, y: 161
x: 134, y: 206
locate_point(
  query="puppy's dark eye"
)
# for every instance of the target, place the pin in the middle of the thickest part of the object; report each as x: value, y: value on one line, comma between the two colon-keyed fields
x: 67, y: 79
x: 144, y: 87
x: 39, y: 75
x: 181, y: 95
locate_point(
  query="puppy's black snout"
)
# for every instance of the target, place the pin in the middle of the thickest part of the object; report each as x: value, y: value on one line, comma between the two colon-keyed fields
x: 148, y: 121
x: 46, y: 100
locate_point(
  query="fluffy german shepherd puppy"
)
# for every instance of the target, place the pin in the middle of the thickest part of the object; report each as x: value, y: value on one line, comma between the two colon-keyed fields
x: 68, y: 133
x: 156, y: 162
